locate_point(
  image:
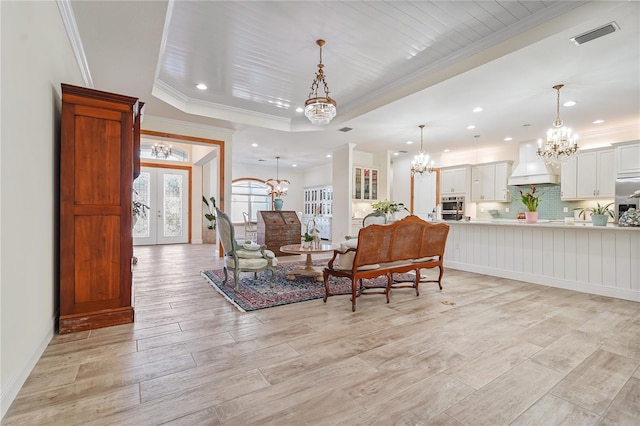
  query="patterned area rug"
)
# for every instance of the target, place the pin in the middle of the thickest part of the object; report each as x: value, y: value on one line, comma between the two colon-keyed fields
x: 254, y: 294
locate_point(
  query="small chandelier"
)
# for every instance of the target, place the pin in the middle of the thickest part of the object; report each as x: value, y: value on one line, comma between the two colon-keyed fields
x: 560, y: 143
x: 420, y: 163
x: 160, y: 149
x: 276, y: 186
x: 320, y: 110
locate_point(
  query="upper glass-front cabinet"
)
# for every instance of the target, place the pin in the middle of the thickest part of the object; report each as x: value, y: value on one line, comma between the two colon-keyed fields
x: 365, y: 183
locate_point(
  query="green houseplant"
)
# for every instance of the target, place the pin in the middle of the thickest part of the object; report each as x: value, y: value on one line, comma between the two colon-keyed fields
x: 387, y: 206
x: 209, y: 215
x: 530, y: 199
x: 599, y: 214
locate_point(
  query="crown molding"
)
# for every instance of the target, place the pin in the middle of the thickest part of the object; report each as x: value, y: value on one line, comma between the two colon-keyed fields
x: 69, y: 20
x: 177, y: 99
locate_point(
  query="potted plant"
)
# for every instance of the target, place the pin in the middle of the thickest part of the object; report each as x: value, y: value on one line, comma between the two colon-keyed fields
x: 599, y: 214
x: 530, y: 201
x: 138, y: 208
x: 209, y: 215
x: 388, y: 207
x: 308, y: 239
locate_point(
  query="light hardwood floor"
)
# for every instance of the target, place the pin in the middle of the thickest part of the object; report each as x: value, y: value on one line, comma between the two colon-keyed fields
x: 507, y: 352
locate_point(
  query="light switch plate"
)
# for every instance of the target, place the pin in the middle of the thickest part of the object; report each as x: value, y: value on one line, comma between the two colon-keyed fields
x: 506, y: 210
x: 565, y: 209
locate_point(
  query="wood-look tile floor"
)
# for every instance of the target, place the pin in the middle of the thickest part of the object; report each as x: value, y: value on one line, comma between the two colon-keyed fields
x: 507, y: 353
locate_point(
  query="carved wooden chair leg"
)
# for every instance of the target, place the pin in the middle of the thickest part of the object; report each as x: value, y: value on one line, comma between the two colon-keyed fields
x: 388, y: 289
x: 236, y: 277
x: 354, y: 294
x: 417, y: 282
x: 226, y: 276
x: 325, y: 276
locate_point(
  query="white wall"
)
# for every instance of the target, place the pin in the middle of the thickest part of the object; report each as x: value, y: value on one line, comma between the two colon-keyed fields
x: 36, y: 58
x: 342, y: 190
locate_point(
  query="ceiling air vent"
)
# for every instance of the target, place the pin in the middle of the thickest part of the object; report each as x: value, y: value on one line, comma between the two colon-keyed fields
x: 596, y: 33
x: 345, y: 129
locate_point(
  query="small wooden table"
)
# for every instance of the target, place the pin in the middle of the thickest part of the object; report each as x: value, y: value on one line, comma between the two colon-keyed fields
x: 308, y: 269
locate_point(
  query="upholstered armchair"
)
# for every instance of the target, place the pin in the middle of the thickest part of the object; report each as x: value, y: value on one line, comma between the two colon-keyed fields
x: 375, y: 217
x: 245, y: 257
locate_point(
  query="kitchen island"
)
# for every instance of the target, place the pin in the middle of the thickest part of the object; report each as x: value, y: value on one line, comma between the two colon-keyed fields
x: 603, y: 260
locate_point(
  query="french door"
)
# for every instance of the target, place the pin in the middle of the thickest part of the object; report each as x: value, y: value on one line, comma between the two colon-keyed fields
x: 166, y: 192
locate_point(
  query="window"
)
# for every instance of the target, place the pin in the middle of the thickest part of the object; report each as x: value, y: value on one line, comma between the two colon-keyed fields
x: 248, y: 195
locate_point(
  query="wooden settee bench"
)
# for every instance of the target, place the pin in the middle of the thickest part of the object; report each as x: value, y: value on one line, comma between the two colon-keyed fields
x: 410, y: 244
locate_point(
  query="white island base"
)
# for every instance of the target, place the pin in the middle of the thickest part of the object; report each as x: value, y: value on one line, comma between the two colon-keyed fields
x: 598, y: 260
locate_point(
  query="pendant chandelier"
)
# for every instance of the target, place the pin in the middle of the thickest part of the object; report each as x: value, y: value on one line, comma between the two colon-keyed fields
x: 560, y: 143
x: 320, y: 110
x: 420, y: 163
x: 160, y: 149
x: 277, y: 187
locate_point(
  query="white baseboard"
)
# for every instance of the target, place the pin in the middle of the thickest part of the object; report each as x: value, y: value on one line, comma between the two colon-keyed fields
x: 11, y: 385
x: 618, y: 293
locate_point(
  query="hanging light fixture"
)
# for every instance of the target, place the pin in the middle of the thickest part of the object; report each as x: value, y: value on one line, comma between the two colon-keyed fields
x: 420, y: 163
x: 560, y: 143
x: 276, y: 186
x: 160, y: 149
x: 319, y: 110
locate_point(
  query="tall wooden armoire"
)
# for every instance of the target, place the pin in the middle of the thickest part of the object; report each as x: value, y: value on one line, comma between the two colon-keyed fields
x: 99, y: 133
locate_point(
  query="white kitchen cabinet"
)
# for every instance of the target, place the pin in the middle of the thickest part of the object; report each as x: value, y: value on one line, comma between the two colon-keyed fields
x: 595, y: 175
x: 627, y: 160
x: 568, y: 179
x: 454, y: 181
x: 501, y: 189
x: 483, y: 179
x: 489, y: 182
x: 365, y: 183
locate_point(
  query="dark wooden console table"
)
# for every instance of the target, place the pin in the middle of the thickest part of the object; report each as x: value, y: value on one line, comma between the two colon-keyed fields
x: 277, y: 229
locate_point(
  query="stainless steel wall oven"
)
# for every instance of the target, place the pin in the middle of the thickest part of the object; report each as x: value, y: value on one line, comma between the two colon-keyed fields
x: 452, y: 208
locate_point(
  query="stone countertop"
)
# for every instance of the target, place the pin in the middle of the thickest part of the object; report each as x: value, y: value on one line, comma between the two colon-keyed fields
x: 542, y: 223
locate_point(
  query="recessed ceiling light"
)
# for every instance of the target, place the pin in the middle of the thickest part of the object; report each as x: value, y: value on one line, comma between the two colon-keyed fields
x: 508, y: 138
x: 299, y: 109
x: 598, y: 122
x: 294, y: 165
x: 396, y: 153
x: 254, y: 144
x: 446, y: 150
x: 409, y: 142
x: 477, y: 109
x: 201, y: 86
x: 569, y: 103
x: 471, y: 126
x: 328, y: 155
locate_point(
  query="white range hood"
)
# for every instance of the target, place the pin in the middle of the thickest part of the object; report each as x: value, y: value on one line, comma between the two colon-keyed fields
x: 532, y: 170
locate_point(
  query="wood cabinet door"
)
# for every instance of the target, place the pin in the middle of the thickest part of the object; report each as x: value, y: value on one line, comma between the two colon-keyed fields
x: 606, y: 174
x: 586, y: 175
x: 97, y: 166
x: 568, y: 179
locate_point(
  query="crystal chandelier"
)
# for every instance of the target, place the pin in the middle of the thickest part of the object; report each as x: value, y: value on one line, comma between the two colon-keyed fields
x: 560, y: 143
x: 420, y: 163
x: 320, y: 110
x: 160, y: 149
x: 276, y: 186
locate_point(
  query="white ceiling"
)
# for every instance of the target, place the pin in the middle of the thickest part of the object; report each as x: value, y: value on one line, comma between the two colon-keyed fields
x: 390, y: 65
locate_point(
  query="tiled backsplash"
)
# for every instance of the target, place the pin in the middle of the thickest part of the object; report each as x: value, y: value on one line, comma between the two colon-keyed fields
x: 550, y: 206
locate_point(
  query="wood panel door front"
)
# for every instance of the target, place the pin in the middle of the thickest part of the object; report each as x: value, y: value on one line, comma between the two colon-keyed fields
x: 95, y: 201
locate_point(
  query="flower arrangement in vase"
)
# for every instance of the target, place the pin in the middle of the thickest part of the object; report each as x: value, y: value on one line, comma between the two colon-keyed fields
x: 530, y: 201
x: 388, y: 207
